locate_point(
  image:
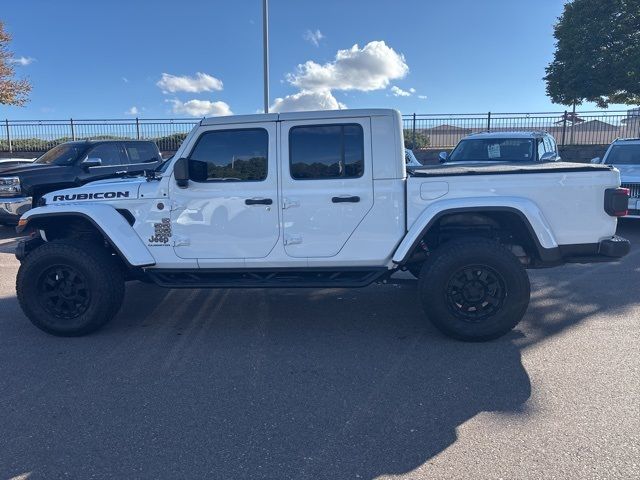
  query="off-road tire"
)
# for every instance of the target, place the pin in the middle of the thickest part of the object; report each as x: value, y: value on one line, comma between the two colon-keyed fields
x: 70, y: 288
x: 474, y: 289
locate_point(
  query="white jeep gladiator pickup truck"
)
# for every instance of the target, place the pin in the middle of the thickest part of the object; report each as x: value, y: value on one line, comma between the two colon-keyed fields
x: 316, y: 199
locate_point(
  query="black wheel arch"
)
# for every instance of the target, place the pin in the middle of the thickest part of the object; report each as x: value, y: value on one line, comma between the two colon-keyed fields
x: 509, y: 218
x: 69, y: 225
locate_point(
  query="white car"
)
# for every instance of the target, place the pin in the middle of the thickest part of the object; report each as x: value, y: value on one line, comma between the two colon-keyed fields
x: 519, y: 147
x: 624, y: 154
x: 316, y: 200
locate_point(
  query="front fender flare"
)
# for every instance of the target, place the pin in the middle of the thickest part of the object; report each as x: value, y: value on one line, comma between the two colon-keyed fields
x: 113, y: 226
x: 526, y: 209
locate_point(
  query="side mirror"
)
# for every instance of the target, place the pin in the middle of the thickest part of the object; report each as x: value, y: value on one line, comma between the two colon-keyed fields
x: 595, y: 160
x: 549, y: 157
x: 443, y: 156
x: 181, y: 172
x: 91, y: 162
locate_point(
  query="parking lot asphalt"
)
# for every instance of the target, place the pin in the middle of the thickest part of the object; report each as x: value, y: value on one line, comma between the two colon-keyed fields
x: 335, y: 383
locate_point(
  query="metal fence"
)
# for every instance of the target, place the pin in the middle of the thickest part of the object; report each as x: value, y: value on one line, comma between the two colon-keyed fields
x: 581, y: 128
x: 41, y: 135
x: 421, y: 130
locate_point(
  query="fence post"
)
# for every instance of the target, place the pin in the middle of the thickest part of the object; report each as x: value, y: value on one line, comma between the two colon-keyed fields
x: 73, y: 130
x: 137, y: 128
x: 564, y: 128
x: 413, y: 134
x: 6, y: 124
x: 489, y: 122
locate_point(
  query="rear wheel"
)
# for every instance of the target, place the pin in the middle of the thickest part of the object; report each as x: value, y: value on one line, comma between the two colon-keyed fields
x: 68, y: 288
x: 474, y: 289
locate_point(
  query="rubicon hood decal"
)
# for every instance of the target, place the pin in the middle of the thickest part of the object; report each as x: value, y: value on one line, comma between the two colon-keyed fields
x: 90, y: 196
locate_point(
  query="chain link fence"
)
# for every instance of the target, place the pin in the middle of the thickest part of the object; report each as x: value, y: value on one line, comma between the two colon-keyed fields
x: 421, y: 130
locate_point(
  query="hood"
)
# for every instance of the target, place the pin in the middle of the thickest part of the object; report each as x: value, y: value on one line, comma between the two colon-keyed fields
x: 109, y: 190
x: 27, y: 167
x: 629, y: 173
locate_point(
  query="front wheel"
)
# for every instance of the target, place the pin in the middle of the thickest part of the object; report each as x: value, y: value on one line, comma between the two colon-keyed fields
x: 474, y: 289
x: 68, y: 288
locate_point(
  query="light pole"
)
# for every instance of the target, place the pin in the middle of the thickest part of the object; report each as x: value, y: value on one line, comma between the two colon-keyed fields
x: 265, y: 52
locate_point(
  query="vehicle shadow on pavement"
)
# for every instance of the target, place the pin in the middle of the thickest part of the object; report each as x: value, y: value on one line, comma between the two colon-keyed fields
x: 269, y: 383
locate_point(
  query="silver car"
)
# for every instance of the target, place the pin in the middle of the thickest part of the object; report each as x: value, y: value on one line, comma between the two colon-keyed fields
x: 624, y: 154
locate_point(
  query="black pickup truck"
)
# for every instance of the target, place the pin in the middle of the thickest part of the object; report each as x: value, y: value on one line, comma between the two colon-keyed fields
x: 69, y: 165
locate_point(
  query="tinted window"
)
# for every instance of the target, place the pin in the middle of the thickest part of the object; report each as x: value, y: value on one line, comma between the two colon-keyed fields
x: 64, y: 154
x: 232, y: 155
x: 142, y: 152
x: 494, y: 149
x: 624, y: 155
x: 110, y: 153
x: 326, y: 151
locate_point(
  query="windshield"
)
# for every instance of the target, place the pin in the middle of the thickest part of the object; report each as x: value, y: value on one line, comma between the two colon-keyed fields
x: 163, y: 165
x: 493, y: 149
x: 624, y: 155
x: 64, y: 154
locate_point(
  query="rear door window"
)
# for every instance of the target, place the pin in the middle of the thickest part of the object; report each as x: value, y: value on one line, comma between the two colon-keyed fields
x: 141, y: 152
x: 111, y: 154
x: 326, y: 151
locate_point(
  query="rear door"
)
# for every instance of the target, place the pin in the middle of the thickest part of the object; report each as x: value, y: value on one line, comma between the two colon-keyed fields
x: 327, y: 183
x: 230, y: 208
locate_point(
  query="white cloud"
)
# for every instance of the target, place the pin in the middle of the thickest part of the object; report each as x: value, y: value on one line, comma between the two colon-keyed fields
x: 313, y: 37
x: 202, y: 82
x: 370, y: 68
x: 125, y: 79
x: 199, y: 108
x: 132, y: 111
x: 412, y: 90
x: 398, y: 92
x: 307, y: 100
x: 22, y: 61
x: 422, y: 97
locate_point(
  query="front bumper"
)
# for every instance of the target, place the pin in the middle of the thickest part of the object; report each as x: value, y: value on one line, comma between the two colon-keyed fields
x: 12, y: 208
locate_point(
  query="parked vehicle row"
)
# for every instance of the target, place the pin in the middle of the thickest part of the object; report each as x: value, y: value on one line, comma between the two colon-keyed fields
x: 319, y: 199
x: 68, y: 165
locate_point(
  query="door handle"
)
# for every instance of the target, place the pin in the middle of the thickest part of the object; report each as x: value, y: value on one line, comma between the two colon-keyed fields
x: 353, y: 199
x: 258, y: 201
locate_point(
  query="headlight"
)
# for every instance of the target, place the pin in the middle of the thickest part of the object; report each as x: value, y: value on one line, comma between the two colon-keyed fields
x: 9, y: 186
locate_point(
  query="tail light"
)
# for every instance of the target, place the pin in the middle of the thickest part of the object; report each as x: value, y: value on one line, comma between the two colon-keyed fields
x: 616, y: 201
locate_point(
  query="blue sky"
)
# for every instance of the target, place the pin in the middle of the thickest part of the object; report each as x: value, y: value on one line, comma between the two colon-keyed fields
x: 90, y: 59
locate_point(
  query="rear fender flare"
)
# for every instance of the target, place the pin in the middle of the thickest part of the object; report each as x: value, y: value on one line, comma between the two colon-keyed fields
x: 526, y: 209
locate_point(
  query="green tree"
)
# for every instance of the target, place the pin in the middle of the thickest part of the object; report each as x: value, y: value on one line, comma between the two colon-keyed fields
x: 597, y: 55
x: 12, y: 91
x: 421, y: 140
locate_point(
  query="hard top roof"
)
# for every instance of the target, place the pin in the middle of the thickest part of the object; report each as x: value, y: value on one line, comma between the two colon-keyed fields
x: 288, y: 116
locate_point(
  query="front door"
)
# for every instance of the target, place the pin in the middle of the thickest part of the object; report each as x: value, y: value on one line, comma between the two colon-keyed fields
x: 229, y: 210
x: 327, y: 183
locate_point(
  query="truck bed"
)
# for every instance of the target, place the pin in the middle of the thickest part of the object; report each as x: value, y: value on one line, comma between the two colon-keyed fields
x: 505, y: 168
